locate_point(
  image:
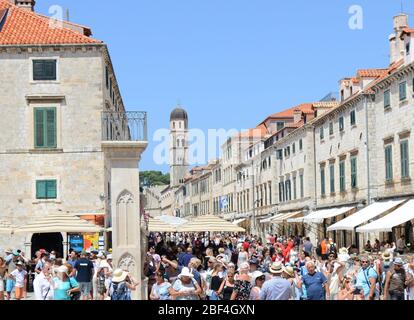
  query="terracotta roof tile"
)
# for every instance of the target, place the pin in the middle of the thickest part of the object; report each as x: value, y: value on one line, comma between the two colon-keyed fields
x: 25, y: 27
x: 371, y: 73
x: 258, y: 132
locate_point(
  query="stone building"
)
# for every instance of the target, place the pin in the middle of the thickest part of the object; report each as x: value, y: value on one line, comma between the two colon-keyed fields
x: 68, y: 144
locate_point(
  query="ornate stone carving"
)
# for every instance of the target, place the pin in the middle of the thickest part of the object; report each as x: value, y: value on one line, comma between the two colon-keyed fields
x: 127, y: 262
x: 126, y: 197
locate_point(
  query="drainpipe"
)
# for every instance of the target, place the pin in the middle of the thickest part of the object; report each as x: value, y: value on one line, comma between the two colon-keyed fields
x: 367, y: 168
x: 367, y: 151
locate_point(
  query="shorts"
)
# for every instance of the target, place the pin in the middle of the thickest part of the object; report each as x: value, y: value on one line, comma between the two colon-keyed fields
x: 85, y: 288
x: 19, y: 293
x: 9, y: 285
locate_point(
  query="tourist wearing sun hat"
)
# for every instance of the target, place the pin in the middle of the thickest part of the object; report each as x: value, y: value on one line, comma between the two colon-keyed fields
x: 258, y: 279
x: 185, y: 287
x: 121, y: 285
x: 64, y: 285
x: 277, y: 288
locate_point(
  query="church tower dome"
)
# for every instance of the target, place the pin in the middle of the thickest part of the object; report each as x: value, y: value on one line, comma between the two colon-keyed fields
x: 178, y: 146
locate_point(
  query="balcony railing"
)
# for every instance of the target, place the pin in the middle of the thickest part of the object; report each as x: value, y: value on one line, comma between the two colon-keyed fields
x: 124, y: 126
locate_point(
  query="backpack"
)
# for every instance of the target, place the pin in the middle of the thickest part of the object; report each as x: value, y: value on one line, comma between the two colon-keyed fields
x: 120, y: 291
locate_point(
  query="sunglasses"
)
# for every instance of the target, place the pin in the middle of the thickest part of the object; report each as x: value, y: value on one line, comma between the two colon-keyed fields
x: 364, y: 262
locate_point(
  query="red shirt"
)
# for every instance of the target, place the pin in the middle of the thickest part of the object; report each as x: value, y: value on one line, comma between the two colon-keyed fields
x: 246, y: 246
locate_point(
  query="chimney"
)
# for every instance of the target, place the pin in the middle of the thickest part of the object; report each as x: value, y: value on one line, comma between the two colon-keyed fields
x: 24, y: 4
x: 397, y: 50
x: 297, y: 115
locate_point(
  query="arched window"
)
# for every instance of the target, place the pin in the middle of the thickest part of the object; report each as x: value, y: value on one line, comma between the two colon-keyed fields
x: 182, y: 143
x: 173, y: 124
x: 178, y: 142
x: 179, y: 124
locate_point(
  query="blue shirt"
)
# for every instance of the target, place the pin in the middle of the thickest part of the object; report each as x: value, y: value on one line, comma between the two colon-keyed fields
x: 363, y: 278
x: 162, y: 290
x: 276, y: 288
x: 61, y: 288
x: 184, y: 260
x: 314, y: 285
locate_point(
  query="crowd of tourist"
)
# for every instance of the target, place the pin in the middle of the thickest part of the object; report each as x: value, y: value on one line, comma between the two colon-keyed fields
x: 82, y: 276
x: 202, y: 266
x: 240, y: 267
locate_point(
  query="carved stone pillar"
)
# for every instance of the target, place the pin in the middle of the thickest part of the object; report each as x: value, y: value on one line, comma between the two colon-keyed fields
x: 127, y: 243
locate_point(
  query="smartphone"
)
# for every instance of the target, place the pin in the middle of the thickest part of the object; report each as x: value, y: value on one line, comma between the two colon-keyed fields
x: 357, y: 290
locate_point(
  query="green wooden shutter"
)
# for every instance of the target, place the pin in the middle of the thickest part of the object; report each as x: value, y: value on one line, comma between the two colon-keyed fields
x: 388, y: 163
x: 40, y: 190
x: 51, y: 127
x: 405, y: 172
x: 353, y: 172
x: 51, y: 189
x: 323, y: 181
x: 39, y: 128
x: 387, y: 100
x: 332, y: 178
x: 342, y: 176
x: 403, y: 91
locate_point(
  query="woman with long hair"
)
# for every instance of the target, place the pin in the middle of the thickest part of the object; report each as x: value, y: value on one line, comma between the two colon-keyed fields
x: 227, y: 286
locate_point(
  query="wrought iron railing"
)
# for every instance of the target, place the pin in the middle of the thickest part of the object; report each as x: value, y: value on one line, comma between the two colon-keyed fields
x: 124, y: 126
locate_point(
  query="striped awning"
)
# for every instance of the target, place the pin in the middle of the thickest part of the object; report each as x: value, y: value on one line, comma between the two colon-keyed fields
x: 283, y: 217
x: 209, y: 223
x: 62, y: 222
x: 157, y: 225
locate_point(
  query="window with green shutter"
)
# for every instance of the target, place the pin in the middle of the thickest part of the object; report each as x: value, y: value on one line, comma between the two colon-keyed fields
x: 45, y: 127
x: 342, y: 187
x: 388, y: 163
x: 332, y: 177
x: 294, y: 148
x: 403, y: 90
x: 353, y: 117
x: 294, y: 188
x: 300, y: 144
x: 302, y: 187
x: 331, y: 129
x: 341, y: 124
x: 354, y: 182
x: 323, y: 191
x: 405, y: 167
x: 44, y: 70
x: 321, y: 133
x: 46, y: 189
x: 387, y: 98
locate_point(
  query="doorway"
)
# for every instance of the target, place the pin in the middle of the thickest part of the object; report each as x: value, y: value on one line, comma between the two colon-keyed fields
x: 49, y: 242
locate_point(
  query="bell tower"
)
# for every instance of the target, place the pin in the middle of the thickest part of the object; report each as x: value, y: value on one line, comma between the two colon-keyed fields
x: 178, y: 146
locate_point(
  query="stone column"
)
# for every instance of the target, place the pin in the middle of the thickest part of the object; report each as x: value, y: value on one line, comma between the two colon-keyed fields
x: 125, y: 208
x: 65, y: 244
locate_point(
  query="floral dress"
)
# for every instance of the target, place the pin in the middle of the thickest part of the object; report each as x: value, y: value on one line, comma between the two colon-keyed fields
x: 242, y: 288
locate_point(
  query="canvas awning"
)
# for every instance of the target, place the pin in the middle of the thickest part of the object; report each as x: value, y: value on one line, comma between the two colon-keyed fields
x: 267, y: 220
x: 365, y: 215
x: 62, y: 222
x: 285, y: 216
x: 319, y: 215
x: 209, y: 223
x: 156, y: 225
x: 237, y: 222
x: 175, y: 221
x: 395, y: 218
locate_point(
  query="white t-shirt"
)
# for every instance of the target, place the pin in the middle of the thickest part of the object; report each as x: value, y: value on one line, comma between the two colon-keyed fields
x: 42, y: 288
x: 19, y: 275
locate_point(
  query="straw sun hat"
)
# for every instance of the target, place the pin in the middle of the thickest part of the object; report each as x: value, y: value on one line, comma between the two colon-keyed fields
x: 119, y: 275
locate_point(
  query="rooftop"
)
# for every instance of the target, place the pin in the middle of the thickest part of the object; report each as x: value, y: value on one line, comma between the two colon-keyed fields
x: 24, y: 27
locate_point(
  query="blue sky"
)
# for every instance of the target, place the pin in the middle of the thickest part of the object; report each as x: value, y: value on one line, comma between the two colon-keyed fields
x: 232, y: 62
